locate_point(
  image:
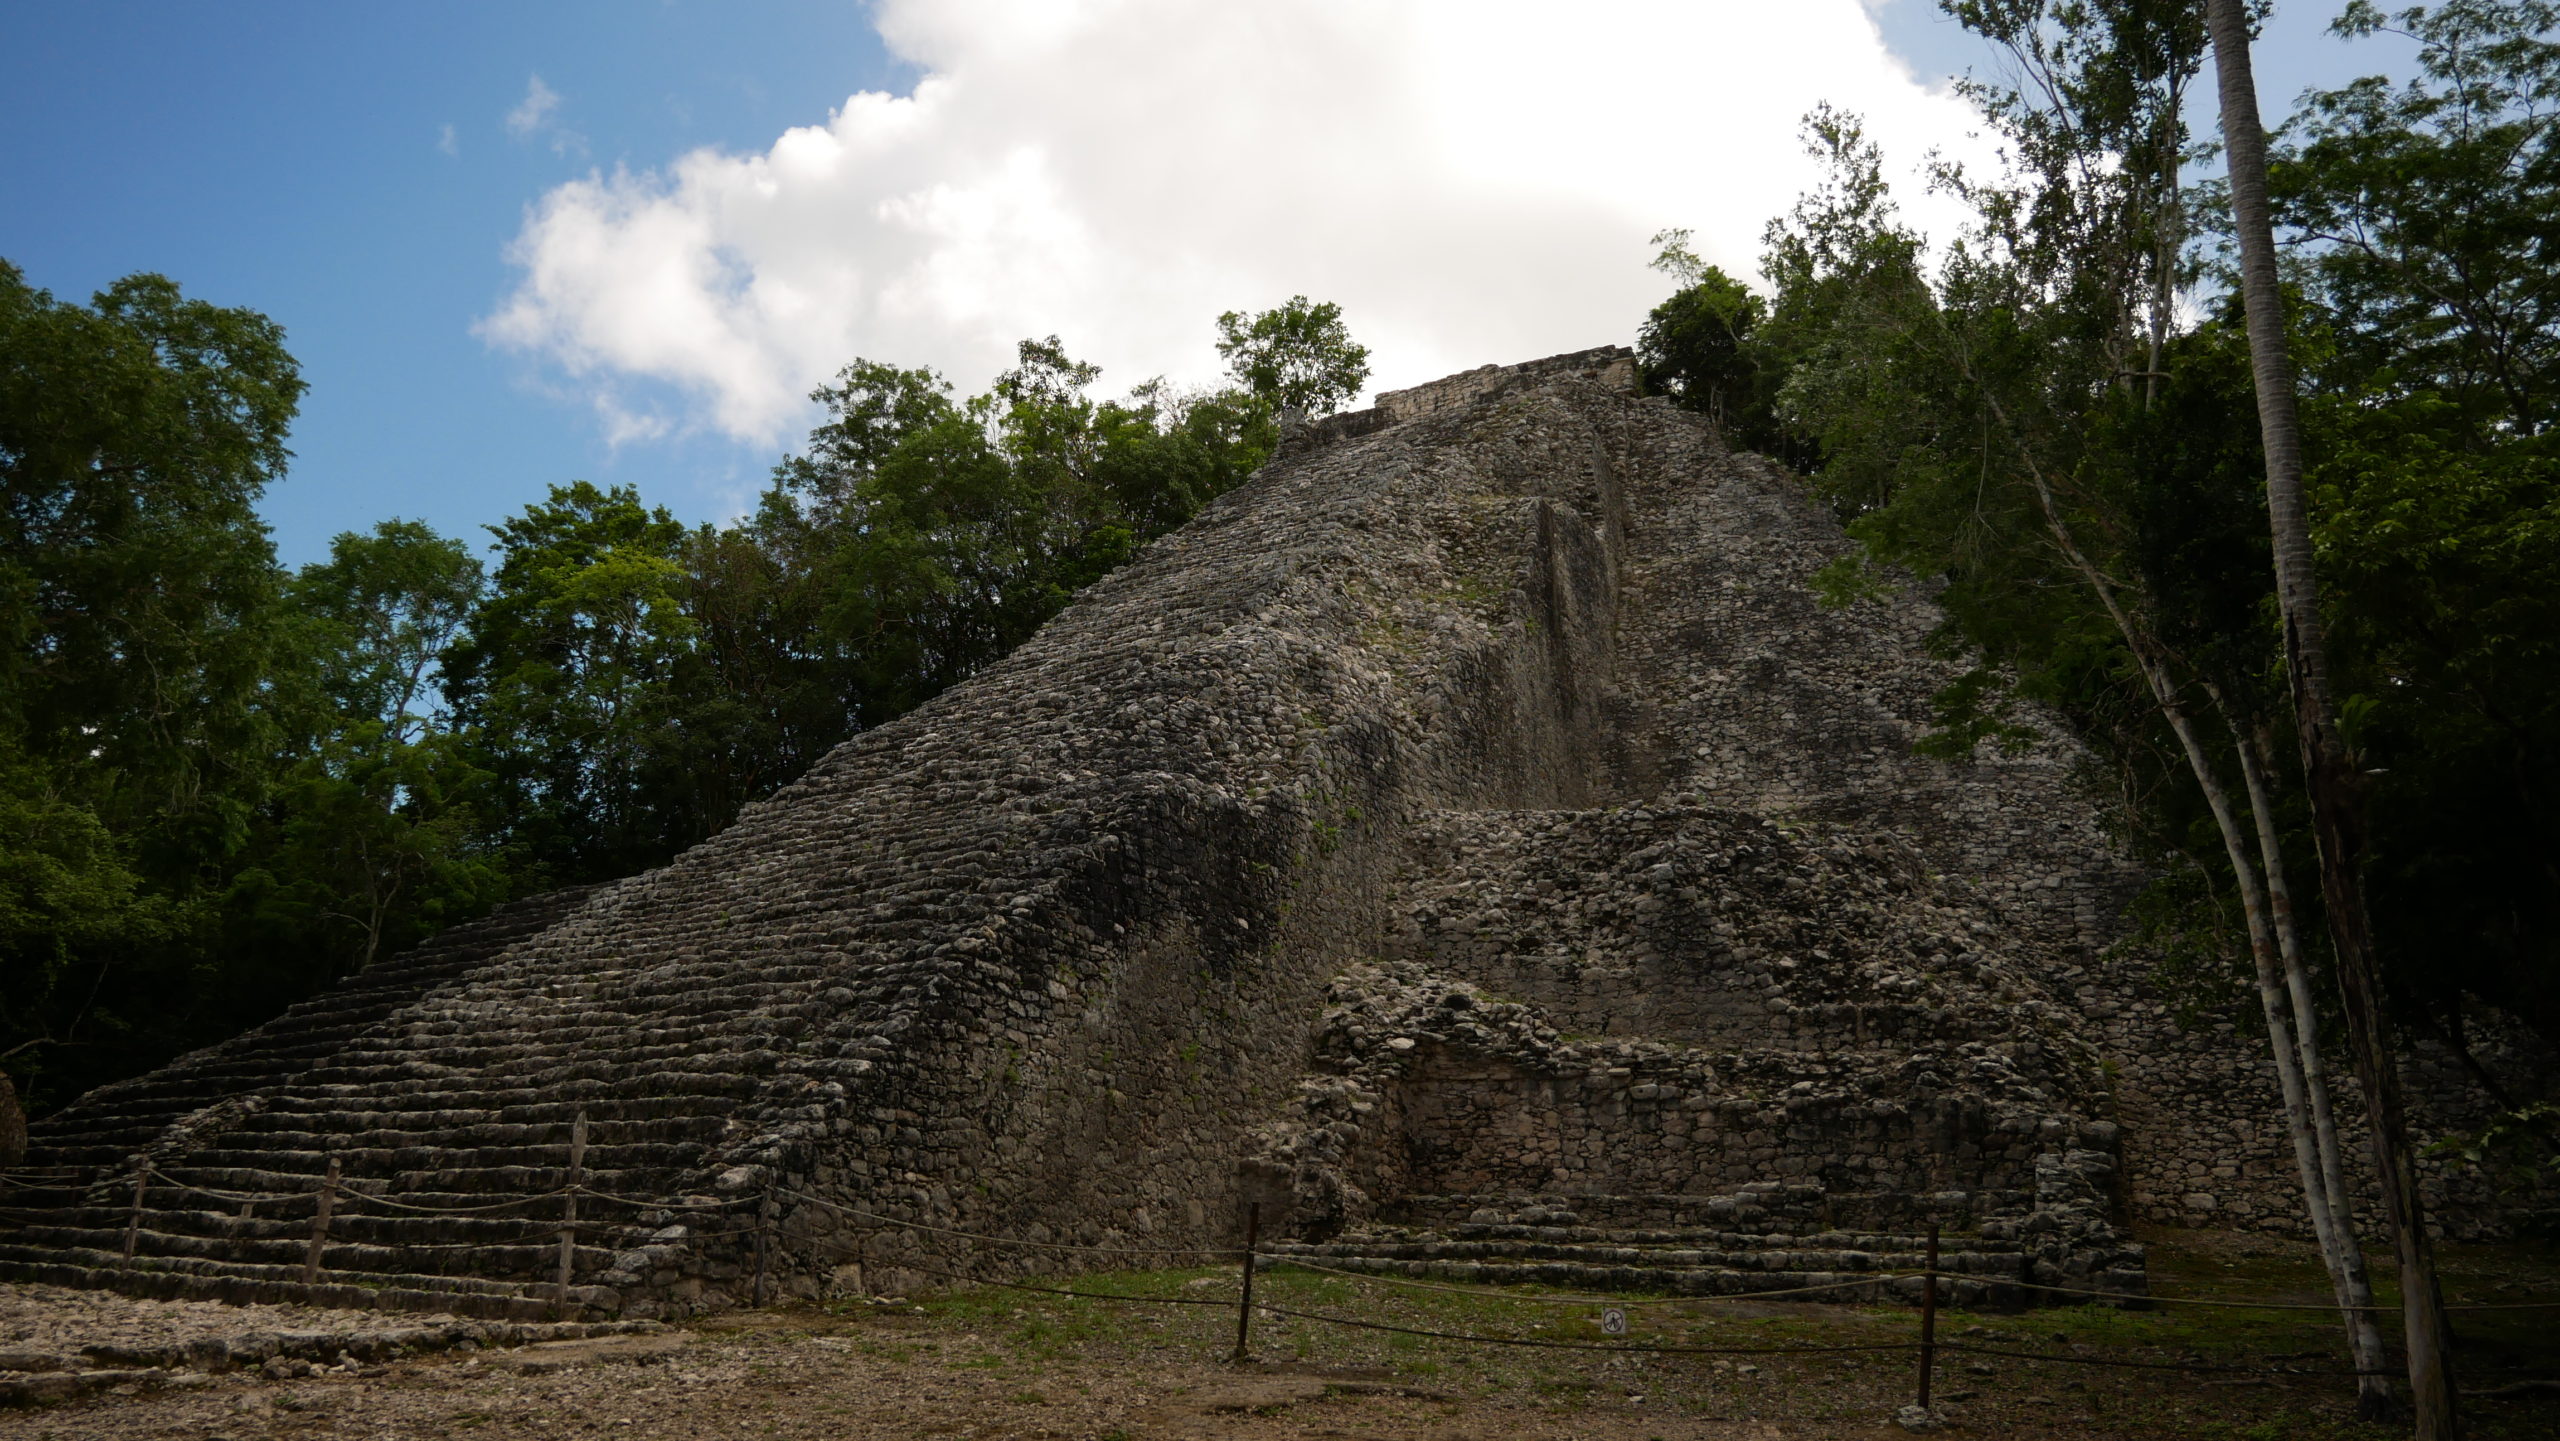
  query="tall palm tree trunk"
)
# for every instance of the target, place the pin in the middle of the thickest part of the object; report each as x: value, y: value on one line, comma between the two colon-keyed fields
x: 2336, y: 790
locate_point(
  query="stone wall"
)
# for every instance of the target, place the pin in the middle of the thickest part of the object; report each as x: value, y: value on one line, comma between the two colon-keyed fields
x: 2207, y: 1144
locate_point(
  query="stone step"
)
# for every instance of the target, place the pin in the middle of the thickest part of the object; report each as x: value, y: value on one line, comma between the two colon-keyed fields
x: 533, y: 1251
x: 689, y: 1101
x: 651, y: 1093
x: 606, y: 1126
x: 410, y: 1152
x: 424, y: 1293
x: 225, y: 1237
x: 123, y: 1116
x: 456, y: 1107
x: 393, y: 1172
x: 727, y: 1072
x: 351, y: 1206
x: 473, y: 1047
x: 480, y: 1120
x: 453, y: 1187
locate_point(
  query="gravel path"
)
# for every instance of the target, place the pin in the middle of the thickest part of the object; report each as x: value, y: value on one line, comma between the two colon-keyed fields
x: 54, y: 1320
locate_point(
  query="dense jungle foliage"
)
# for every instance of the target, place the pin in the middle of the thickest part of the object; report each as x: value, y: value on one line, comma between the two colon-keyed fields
x: 224, y: 785
x: 2053, y: 415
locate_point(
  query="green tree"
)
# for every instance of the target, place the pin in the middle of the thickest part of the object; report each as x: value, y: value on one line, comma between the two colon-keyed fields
x: 928, y: 535
x: 382, y: 611
x: 2428, y: 216
x: 1995, y: 419
x: 378, y: 836
x: 2419, y: 217
x: 136, y: 435
x: 563, y: 677
x: 1297, y: 357
x: 1697, y: 346
x: 137, y: 596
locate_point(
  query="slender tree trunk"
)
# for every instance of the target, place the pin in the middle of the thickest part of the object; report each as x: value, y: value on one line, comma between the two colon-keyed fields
x: 2336, y: 789
x: 2283, y: 990
x: 2255, y: 766
x: 2325, y: 1165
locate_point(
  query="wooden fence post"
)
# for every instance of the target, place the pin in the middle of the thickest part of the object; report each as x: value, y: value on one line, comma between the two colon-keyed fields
x: 1244, y: 1308
x: 1929, y: 1317
x: 133, y: 1222
x: 320, y: 1224
x: 569, y: 1202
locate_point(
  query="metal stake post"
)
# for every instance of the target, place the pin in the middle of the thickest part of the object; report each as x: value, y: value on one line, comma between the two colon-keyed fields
x: 320, y: 1223
x: 1929, y: 1317
x: 1244, y: 1309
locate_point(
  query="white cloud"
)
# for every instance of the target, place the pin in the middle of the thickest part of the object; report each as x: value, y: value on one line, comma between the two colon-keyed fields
x: 448, y: 142
x: 535, y: 116
x: 1472, y: 180
x: 534, y: 111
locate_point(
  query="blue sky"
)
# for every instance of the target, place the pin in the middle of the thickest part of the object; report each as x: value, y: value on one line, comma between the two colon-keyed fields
x: 290, y: 157
x: 351, y: 170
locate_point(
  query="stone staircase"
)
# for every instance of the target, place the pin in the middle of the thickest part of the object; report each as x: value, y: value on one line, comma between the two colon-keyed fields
x: 452, y: 1135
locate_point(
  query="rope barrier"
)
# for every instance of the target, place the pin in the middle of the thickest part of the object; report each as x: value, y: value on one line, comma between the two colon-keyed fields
x: 544, y: 1233
x: 1222, y: 1302
x: 1639, y: 1350
x: 1972, y: 1350
x: 1409, y: 1283
x: 529, y: 1239
x: 1497, y: 1295
x: 68, y: 1180
x: 234, y: 1196
x: 877, y: 1218
x: 2269, y: 1305
x: 351, y: 1196
x: 507, y: 1204
x: 647, y: 1204
x: 1354, y: 1323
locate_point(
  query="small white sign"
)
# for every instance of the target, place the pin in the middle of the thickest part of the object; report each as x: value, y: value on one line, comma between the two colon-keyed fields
x: 1614, y: 1321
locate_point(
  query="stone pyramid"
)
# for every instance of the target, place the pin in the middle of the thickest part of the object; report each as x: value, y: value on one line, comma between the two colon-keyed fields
x: 1469, y: 843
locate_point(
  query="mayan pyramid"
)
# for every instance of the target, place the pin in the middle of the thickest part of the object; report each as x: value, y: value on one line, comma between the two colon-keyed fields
x: 1469, y: 843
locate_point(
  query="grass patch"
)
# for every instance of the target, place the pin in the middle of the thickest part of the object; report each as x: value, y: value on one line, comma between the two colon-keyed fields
x: 2291, y: 1354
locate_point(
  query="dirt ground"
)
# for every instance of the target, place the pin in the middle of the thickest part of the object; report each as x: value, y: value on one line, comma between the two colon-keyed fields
x: 989, y: 1362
